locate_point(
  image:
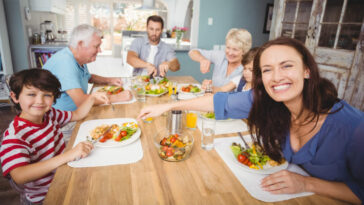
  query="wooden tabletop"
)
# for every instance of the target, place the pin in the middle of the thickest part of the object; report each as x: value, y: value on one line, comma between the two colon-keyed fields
x: 203, y: 178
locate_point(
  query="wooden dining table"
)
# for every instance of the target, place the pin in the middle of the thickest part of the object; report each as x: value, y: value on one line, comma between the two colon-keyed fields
x: 202, y: 178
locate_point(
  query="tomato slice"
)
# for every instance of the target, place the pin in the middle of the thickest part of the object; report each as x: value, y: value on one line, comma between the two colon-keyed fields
x: 118, y: 138
x: 102, y: 140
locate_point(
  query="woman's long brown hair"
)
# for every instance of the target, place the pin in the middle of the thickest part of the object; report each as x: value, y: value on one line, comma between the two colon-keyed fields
x: 270, y: 120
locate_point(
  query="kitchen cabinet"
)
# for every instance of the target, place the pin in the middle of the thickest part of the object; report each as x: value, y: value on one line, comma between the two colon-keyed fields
x: 333, y: 30
x: 54, y: 6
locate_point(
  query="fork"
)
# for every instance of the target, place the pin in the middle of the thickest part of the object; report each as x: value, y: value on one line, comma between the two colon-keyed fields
x: 246, y: 144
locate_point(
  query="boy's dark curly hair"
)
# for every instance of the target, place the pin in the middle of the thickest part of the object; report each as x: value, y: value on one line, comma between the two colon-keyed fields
x: 39, y: 78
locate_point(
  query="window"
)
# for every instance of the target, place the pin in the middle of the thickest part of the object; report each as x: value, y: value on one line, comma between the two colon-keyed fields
x: 111, y: 17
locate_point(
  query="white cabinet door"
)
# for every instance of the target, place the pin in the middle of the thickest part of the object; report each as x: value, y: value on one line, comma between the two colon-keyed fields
x: 333, y: 30
x: 54, y: 6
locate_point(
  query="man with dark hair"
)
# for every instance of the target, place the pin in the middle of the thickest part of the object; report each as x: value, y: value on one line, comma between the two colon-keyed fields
x: 150, y: 55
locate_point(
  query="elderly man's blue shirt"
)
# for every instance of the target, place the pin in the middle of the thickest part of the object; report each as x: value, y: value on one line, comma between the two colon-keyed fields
x: 71, y: 75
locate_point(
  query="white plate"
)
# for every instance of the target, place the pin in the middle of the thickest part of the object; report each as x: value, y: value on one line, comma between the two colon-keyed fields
x: 87, y: 126
x: 133, y: 99
x: 186, y: 84
x: 157, y: 95
x: 226, y: 120
x: 267, y: 169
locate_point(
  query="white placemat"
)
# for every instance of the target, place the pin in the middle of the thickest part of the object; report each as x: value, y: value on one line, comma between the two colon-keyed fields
x: 133, y: 99
x: 226, y: 126
x: 101, y: 156
x: 251, y: 181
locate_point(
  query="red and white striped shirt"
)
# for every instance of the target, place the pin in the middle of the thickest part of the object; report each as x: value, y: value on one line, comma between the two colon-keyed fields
x: 25, y: 143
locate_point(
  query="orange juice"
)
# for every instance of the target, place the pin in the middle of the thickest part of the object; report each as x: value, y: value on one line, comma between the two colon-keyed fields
x: 148, y: 119
x: 170, y: 88
x: 191, y: 120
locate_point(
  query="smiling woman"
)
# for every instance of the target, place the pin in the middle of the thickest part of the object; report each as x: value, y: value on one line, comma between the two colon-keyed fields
x: 294, y: 114
x: 227, y: 65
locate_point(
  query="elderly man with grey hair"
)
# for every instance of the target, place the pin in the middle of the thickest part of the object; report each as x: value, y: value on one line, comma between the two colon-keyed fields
x: 69, y: 65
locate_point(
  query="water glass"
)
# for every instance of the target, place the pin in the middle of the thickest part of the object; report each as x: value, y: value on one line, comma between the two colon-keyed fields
x: 127, y: 82
x: 208, y: 133
x: 139, y: 90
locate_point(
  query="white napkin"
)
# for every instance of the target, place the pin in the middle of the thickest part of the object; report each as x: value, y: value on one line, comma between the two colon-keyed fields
x: 105, y: 156
x: 133, y: 99
x: 251, y: 181
x: 226, y: 126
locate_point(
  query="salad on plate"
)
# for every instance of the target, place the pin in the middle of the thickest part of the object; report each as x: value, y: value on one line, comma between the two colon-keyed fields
x: 114, y: 133
x: 111, y: 90
x: 255, y: 160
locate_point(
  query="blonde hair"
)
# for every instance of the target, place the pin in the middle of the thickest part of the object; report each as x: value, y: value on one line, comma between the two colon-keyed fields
x: 239, y: 37
x: 83, y: 32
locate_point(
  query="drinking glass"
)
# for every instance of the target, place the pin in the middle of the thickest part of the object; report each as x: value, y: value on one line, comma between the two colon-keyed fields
x: 139, y: 90
x: 208, y: 133
x: 127, y: 82
x: 191, y: 119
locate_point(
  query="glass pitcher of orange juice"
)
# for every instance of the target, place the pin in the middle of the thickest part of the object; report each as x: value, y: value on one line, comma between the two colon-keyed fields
x: 191, y: 119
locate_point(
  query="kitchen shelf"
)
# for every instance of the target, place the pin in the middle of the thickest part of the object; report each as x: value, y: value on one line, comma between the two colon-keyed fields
x: 39, y: 54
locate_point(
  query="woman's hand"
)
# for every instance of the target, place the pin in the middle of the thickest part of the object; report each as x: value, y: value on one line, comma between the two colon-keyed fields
x: 101, y: 96
x: 115, y: 81
x: 205, y: 66
x: 153, y: 111
x: 80, y: 151
x: 284, y: 182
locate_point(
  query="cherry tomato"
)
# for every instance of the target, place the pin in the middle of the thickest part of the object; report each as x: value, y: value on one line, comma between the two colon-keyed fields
x: 246, y: 161
x: 163, y: 142
x: 109, y: 92
x: 123, y: 133
x: 164, y: 148
x: 102, y: 140
x: 188, y: 89
x: 241, y: 158
x: 169, y: 153
x: 176, y: 135
x: 173, y: 139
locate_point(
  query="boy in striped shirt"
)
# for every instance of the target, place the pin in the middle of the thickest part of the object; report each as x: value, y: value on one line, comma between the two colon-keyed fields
x: 32, y: 146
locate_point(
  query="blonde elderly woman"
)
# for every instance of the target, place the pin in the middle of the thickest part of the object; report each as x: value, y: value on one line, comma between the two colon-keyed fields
x: 227, y: 64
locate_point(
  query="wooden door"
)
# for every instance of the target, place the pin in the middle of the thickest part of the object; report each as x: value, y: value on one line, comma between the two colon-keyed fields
x: 333, y: 30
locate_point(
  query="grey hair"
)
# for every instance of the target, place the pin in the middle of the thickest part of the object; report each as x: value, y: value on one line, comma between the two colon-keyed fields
x: 83, y: 32
x: 239, y: 37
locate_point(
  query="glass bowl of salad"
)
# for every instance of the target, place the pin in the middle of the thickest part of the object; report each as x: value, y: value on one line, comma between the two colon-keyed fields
x: 173, y: 147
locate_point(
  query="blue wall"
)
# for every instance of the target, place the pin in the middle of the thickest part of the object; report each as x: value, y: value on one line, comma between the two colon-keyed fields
x: 226, y: 14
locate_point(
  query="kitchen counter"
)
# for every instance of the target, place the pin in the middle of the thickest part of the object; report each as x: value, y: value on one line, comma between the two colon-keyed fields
x: 60, y: 44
